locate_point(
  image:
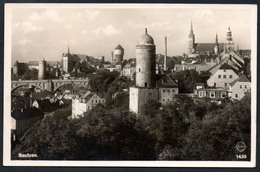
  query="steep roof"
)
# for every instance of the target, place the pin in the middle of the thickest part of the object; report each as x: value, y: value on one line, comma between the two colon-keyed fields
x: 203, y: 47
x: 226, y: 66
x: 242, y: 78
x: 166, y: 81
x: 33, y: 63
x: 119, y: 47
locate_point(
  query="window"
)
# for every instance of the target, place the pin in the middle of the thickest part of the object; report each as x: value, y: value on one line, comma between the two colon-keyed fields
x: 212, y: 94
x: 168, y: 91
x: 223, y: 94
x: 224, y: 76
x: 219, y: 76
x: 173, y: 90
x: 225, y: 84
x: 236, y: 95
x: 241, y: 86
x: 145, y: 84
x: 230, y: 76
x: 245, y: 86
x: 139, y: 70
x: 163, y: 100
x: 224, y: 70
x: 215, y: 84
x: 163, y: 90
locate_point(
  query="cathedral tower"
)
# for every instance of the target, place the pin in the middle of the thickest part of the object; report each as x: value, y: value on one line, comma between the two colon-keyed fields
x: 191, y: 40
x: 145, y: 86
x: 42, y: 69
x: 229, y: 44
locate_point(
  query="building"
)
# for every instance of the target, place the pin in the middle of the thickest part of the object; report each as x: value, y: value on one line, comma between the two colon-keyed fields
x: 81, y: 104
x: 213, y: 93
x: 239, y: 87
x: 167, y: 89
x: 229, y: 44
x: 23, y: 119
x: 19, y: 68
x: 145, y: 87
x: 129, y: 69
x: 195, y: 49
x: 118, y: 54
x: 42, y: 70
x: 222, y: 77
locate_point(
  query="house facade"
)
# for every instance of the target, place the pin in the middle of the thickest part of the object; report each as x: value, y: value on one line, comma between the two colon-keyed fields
x: 239, y: 88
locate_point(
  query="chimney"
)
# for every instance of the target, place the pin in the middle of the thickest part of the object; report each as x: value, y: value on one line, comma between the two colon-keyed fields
x: 112, y: 56
x: 165, y: 56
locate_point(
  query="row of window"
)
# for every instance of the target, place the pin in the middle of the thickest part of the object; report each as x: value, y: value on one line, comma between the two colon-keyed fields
x: 212, y: 94
x: 225, y: 76
x: 98, y: 101
x: 166, y: 100
x: 241, y: 86
x: 168, y: 90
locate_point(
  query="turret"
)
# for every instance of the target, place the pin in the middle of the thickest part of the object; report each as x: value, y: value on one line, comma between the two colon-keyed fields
x: 216, y: 48
x: 229, y: 44
x: 118, y: 54
x: 15, y: 68
x: 42, y: 69
x: 145, y: 61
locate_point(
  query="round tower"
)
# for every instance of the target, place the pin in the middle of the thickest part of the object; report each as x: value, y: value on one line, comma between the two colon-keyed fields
x: 42, y: 69
x: 118, y: 54
x: 145, y: 61
x: 15, y: 68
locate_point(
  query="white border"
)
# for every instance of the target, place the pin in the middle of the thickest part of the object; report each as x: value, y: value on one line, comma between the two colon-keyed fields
x: 7, y: 90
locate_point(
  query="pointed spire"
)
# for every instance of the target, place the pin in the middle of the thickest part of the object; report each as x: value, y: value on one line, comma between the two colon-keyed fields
x: 68, y: 47
x: 191, y: 28
x: 216, y: 38
x: 145, y: 30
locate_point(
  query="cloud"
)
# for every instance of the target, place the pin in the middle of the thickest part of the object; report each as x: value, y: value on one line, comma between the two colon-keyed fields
x: 91, y: 14
x: 24, y: 42
x: 84, y: 31
x: 49, y: 14
x: 68, y: 26
x: 108, y: 31
x: 135, y: 25
x: 161, y: 24
x: 27, y: 27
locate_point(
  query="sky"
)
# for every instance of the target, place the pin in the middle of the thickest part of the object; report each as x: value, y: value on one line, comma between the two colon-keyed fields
x: 45, y: 32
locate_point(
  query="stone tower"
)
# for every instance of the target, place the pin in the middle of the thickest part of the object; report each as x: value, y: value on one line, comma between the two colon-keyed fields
x: 42, y: 69
x: 229, y: 44
x: 118, y: 54
x: 216, y: 48
x: 191, y: 40
x: 15, y: 68
x: 145, y: 86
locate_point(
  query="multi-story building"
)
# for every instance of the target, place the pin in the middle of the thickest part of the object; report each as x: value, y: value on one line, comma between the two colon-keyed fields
x: 239, y: 87
x: 81, y: 104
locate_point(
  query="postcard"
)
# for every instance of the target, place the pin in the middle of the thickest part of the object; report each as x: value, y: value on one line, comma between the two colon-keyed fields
x: 130, y: 85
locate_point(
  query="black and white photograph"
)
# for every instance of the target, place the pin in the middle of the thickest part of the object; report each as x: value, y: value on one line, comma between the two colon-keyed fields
x: 130, y: 85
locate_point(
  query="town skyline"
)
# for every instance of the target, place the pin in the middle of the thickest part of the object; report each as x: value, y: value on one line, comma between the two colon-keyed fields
x: 47, y: 32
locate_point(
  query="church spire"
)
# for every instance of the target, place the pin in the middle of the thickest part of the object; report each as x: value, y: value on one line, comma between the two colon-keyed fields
x: 191, y: 28
x: 216, y: 41
x: 68, y: 48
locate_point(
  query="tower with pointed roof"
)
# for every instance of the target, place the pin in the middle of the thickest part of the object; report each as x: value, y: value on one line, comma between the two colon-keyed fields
x: 42, y: 69
x: 229, y: 44
x: 15, y: 68
x: 67, y: 61
x: 191, y: 39
x: 216, y: 48
x: 118, y: 54
x: 145, y: 86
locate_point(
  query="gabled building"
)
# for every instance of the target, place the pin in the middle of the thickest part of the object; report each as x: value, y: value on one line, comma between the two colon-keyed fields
x: 167, y: 89
x: 222, y: 77
x: 81, y: 104
x: 213, y: 93
x: 239, y: 87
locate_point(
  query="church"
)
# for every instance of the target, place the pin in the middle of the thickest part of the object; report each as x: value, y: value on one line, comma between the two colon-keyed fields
x: 215, y: 48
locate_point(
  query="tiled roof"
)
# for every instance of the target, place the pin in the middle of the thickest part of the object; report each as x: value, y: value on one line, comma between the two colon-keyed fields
x: 26, y: 113
x: 226, y: 66
x: 242, y: 78
x: 119, y: 47
x: 41, y: 95
x: 202, y: 47
x: 166, y: 81
x: 33, y: 63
